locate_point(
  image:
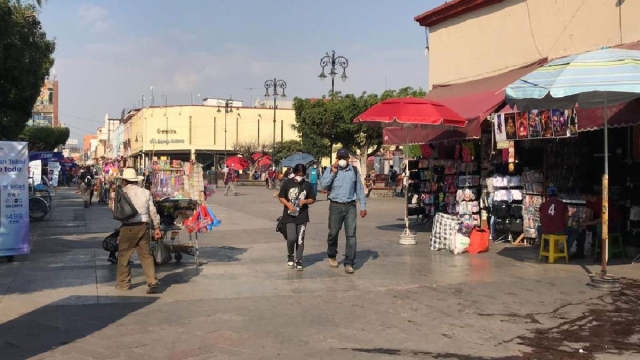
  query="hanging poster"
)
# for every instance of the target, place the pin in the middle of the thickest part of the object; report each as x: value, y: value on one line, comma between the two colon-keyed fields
x: 545, y: 123
x: 14, y: 198
x: 522, y: 125
x: 572, y: 115
x: 498, y: 124
x: 559, y: 123
x: 535, y: 129
x: 510, y: 125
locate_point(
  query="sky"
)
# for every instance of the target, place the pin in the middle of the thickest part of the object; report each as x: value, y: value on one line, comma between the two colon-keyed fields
x: 110, y: 53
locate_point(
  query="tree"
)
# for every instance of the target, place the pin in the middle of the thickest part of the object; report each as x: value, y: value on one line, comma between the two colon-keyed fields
x: 285, y: 148
x: 26, y: 56
x: 323, y: 123
x: 44, y: 138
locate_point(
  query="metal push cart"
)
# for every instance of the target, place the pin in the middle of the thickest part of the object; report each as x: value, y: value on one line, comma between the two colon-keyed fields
x: 172, y: 212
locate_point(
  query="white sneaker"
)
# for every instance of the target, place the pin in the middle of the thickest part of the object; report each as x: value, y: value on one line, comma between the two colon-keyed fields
x: 291, y: 265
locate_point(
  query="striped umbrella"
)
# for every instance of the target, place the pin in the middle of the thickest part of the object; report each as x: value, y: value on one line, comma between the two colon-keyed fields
x: 593, y: 79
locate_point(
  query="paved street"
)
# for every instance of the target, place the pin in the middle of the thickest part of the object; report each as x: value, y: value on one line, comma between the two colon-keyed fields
x: 403, y: 302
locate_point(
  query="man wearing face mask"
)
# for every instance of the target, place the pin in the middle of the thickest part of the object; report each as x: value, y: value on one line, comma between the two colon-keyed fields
x: 345, y: 186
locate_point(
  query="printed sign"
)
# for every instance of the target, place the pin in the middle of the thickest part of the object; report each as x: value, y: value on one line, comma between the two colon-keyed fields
x: 535, y: 124
x: 14, y: 198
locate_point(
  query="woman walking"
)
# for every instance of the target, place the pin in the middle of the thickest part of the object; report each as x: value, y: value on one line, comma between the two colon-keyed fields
x: 296, y: 194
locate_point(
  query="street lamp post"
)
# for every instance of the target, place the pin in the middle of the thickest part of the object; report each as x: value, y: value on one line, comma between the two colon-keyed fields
x: 228, y: 108
x: 274, y: 85
x: 333, y: 62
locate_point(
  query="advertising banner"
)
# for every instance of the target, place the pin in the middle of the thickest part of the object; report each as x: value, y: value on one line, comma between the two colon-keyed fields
x: 35, y: 172
x: 54, y: 171
x: 14, y: 198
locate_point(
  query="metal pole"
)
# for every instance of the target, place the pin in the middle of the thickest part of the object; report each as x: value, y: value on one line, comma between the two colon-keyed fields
x: 605, y: 192
x: 225, y: 133
x: 274, y: 121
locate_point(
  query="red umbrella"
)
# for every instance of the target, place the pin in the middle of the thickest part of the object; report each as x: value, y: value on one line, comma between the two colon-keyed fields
x: 265, y: 161
x: 239, y: 163
x: 258, y: 155
x: 410, y: 111
x: 407, y: 113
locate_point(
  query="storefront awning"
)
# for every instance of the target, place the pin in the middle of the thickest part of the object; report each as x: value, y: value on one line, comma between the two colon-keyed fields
x: 474, y: 100
x: 621, y: 115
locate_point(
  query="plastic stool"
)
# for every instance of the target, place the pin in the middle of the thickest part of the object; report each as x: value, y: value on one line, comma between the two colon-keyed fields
x: 553, y: 240
x: 615, y: 247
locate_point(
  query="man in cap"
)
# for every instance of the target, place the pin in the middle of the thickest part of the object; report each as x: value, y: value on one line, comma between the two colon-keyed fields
x: 554, y: 217
x: 134, y: 233
x: 345, y: 186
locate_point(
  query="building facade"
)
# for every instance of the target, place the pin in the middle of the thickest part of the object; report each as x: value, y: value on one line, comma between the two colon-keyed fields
x: 187, y: 131
x: 472, y: 39
x: 45, y: 110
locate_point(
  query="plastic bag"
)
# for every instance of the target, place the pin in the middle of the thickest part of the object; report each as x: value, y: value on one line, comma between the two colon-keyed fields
x: 110, y: 243
x: 161, y: 253
x: 215, y: 222
x: 479, y: 241
x: 123, y: 208
x: 460, y: 243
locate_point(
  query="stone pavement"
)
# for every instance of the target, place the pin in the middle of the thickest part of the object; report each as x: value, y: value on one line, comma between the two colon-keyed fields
x: 402, y: 303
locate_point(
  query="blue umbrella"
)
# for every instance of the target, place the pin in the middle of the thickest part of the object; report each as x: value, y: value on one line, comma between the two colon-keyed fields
x: 593, y: 79
x: 295, y: 159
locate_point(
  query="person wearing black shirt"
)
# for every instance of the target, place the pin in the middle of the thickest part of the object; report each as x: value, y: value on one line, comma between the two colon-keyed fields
x: 296, y: 194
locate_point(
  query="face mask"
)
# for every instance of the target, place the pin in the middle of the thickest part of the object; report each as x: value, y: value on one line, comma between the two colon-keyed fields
x: 299, y: 178
x: 342, y: 163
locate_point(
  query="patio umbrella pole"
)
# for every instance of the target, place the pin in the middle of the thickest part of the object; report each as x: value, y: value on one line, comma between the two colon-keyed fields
x: 605, y: 193
x: 406, y: 238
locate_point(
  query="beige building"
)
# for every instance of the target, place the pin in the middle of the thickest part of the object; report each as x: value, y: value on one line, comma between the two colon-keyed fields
x: 471, y: 39
x: 189, y: 130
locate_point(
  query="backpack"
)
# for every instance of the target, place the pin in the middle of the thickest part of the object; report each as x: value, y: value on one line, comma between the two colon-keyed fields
x: 88, y: 181
x: 394, y: 175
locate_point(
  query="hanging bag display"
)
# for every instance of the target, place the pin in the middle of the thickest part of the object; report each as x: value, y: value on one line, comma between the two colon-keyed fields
x: 123, y: 208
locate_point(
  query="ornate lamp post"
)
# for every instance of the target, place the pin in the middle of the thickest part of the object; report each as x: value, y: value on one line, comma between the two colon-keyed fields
x: 274, y: 85
x: 333, y: 62
x: 227, y: 104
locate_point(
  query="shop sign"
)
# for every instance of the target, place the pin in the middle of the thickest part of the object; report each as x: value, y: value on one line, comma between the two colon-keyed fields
x: 166, y: 131
x: 535, y: 124
x: 166, y: 141
x: 503, y: 144
x: 14, y: 198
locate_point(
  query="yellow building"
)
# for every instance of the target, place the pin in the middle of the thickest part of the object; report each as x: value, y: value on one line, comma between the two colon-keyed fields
x: 472, y: 39
x: 186, y: 131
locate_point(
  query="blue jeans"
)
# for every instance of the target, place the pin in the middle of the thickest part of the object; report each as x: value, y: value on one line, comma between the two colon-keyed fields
x: 342, y: 214
x: 314, y: 187
x: 571, y: 232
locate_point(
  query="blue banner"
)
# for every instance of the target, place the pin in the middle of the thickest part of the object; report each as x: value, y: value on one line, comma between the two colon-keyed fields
x: 46, y: 156
x: 14, y: 198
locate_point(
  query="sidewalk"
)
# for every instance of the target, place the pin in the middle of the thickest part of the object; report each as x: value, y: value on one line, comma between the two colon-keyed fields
x: 403, y: 302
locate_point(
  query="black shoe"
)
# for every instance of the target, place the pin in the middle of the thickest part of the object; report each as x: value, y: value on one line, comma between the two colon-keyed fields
x: 577, y: 256
x: 152, y: 288
x: 299, y: 266
x: 113, y: 260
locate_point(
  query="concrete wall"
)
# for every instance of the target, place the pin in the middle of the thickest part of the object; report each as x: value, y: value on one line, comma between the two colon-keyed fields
x: 183, y: 128
x: 516, y: 32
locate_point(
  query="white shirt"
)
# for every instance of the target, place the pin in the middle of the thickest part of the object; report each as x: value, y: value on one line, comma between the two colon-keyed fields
x: 142, y: 200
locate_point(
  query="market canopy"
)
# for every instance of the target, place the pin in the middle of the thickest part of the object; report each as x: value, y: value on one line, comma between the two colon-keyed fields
x: 412, y: 112
x: 474, y: 100
x: 46, y: 156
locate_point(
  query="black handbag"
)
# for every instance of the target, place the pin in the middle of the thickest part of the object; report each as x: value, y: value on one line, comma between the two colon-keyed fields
x: 500, y: 210
x: 123, y: 208
x: 281, y: 227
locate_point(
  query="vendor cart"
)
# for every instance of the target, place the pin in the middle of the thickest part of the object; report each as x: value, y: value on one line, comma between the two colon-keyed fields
x: 177, y: 188
x: 172, y: 213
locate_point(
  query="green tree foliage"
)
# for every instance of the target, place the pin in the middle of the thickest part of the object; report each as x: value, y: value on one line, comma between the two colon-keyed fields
x: 286, y: 148
x: 26, y: 56
x: 44, y: 138
x: 324, y: 122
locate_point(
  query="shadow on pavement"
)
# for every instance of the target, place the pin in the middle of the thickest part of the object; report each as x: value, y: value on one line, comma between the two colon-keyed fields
x: 221, y: 253
x: 530, y: 254
x: 55, y: 325
x: 170, y: 277
x: 421, y: 227
x: 362, y: 257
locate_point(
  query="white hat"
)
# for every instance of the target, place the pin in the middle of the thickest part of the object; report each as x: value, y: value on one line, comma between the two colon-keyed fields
x: 129, y: 174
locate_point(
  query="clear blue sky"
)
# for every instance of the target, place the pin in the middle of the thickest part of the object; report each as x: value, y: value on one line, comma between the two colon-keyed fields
x: 110, y: 52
